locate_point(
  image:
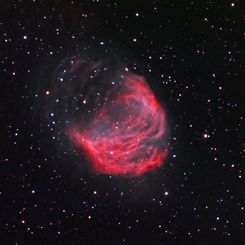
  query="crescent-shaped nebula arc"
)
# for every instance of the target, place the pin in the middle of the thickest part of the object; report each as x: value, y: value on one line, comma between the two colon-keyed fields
x: 127, y: 135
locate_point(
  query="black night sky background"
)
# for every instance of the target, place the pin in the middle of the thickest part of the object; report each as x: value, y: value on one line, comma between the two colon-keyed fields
x: 191, y: 53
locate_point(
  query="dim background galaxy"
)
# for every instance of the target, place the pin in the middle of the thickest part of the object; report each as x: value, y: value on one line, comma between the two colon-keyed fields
x: 153, y: 87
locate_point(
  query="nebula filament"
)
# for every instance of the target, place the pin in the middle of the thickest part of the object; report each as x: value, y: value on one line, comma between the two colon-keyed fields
x: 127, y: 135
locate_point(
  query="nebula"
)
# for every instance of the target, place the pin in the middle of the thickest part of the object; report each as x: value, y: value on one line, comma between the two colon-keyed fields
x: 125, y: 137
x: 110, y: 115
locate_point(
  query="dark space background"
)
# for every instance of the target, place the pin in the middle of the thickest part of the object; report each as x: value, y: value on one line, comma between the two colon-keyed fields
x: 192, y: 55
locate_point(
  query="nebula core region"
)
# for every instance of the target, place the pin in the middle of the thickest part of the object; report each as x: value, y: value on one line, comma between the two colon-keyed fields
x: 127, y: 136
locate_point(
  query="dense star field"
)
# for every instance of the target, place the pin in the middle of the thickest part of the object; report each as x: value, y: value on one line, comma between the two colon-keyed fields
x: 122, y: 122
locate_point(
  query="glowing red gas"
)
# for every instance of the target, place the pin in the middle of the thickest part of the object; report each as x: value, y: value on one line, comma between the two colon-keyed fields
x: 127, y: 136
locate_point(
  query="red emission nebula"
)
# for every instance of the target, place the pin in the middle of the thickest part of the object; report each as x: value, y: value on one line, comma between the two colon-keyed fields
x: 127, y: 135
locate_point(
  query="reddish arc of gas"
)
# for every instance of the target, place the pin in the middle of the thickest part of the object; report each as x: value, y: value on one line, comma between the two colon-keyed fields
x: 127, y: 136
